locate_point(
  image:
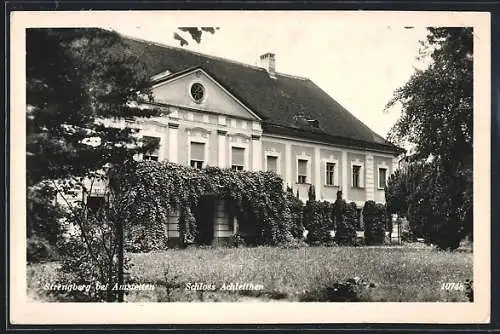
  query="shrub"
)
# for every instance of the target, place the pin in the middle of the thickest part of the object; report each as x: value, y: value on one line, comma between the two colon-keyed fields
x: 296, y: 208
x: 469, y: 290
x: 351, y: 214
x: 187, y: 226
x: 295, y: 243
x: 39, y: 249
x: 345, y: 220
x: 91, y: 254
x: 406, y: 234
x: 318, y: 221
x: 349, y: 290
x: 43, y: 214
x: 374, y: 221
x: 141, y: 239
x: 237, y: 240
x: 437, y: 198
x: 84, y: 268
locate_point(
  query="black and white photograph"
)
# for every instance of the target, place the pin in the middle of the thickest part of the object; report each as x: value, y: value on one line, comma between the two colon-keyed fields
x: 242, y: 159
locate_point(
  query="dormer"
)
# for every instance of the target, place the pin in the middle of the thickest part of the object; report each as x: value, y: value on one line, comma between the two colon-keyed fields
x: 160, y: 76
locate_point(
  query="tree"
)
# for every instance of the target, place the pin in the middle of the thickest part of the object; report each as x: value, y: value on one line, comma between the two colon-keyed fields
x: 43, y: 216
x: 374, y: 222
x: 43, y: 213
x: 195, y: 33
x: 76, y: 80
x: 437, y: 118
x: 396, y: 193
x: 345, y: 231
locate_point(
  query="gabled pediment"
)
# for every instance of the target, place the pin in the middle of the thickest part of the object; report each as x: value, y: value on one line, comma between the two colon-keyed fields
x: 195, y: 89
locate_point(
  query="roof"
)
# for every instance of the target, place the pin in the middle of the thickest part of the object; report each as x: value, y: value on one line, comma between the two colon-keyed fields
x: 285, y: 103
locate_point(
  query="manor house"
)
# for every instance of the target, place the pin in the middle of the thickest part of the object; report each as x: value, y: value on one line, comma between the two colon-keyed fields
x: 224, y: 113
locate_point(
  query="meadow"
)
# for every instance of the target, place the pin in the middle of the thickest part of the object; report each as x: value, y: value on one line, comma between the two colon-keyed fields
x: 394, y: 274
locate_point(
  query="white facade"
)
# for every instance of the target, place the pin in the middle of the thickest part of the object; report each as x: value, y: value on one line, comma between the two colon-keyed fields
x: 220, y: 122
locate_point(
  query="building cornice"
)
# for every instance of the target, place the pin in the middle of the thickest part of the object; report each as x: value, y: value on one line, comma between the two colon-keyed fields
x: 280, y: 132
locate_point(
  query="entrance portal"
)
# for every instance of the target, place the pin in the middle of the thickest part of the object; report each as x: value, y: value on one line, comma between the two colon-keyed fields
x: 204, y: 214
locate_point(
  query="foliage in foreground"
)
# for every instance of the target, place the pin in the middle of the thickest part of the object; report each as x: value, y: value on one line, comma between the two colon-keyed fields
x: 40, y: 250
x: 91, y: 253
x: 74, y: 79
x: 43, y: 229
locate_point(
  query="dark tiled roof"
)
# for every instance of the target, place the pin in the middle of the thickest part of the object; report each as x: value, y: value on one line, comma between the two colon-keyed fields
x: 284, y: 103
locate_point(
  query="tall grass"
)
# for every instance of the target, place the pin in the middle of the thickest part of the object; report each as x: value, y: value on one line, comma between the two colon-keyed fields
x: 395, y: 274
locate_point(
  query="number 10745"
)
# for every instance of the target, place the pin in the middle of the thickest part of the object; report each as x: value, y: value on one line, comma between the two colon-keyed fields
x: 453, y: 286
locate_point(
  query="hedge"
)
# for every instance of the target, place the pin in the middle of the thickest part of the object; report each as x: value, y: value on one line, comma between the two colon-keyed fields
x: 318, y: 221
x: 374, y: 217
x: 296, y: 208
x: 345, y: 222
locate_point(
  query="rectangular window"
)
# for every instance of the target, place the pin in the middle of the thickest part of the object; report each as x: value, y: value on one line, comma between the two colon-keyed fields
x: 356, y: 176
x: 272, y: 163
x: 382, y: 173
x: 302, y: 171
x: 237, y: 158
x: 197, y: 155
x: 154, y: 143
x: 330, y: 173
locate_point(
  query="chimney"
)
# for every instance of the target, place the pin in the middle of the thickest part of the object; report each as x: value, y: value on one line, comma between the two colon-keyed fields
x: 267, y: 61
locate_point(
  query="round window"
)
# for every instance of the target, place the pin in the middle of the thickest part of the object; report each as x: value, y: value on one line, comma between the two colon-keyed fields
x: 197, y: 92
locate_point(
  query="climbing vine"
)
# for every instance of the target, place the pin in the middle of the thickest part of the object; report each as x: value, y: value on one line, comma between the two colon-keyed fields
x: 157, y: 189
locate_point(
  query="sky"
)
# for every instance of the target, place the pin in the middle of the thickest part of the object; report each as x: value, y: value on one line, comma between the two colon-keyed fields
x: 359, y: 65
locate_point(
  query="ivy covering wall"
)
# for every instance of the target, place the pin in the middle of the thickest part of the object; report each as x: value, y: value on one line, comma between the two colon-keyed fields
x: 155, y: 190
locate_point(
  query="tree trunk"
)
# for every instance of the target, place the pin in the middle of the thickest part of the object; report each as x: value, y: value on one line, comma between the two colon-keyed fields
x: 119, y: 231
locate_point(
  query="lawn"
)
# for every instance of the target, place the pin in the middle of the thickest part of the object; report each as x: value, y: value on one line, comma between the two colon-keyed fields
x: 303, y: 274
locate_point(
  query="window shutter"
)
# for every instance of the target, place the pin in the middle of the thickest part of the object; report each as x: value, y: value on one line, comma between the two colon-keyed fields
x: 238, y: 156
x: 197, y: 151
x: 382, y: 177
x: 302, y: 167
x: 336, y: 175
x: 362, y: 176
x: 352, y: 175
